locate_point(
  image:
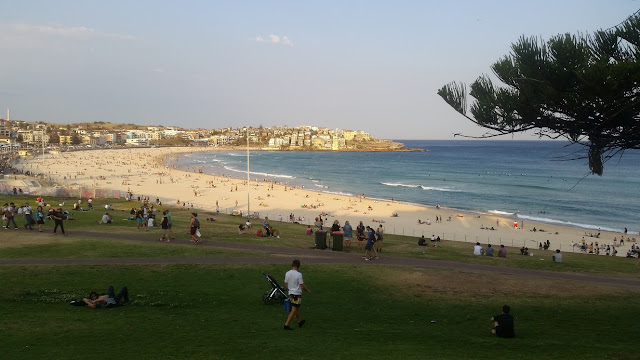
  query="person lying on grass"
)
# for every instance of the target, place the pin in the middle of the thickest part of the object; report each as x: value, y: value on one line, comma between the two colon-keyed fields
x: 110, y: 299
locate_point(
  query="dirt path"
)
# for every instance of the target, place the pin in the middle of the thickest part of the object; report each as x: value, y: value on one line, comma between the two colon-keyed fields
x: 284, y: 255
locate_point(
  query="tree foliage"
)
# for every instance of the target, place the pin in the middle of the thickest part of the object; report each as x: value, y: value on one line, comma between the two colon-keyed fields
x: 585, y: 88
x: 75, y: 139
x: 54, y: 138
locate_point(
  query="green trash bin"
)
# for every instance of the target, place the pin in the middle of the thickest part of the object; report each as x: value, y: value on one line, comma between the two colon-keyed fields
x: 338, y: 236
x: 321, y: 239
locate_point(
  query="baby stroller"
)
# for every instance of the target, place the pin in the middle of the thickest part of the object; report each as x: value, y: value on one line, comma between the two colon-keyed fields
x: 276, y: 294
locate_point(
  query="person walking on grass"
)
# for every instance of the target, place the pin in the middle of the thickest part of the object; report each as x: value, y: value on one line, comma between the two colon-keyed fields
x: 140, y: 218
x: 9, y: 213
x: 194, y: 228
x: 295, y: 284
x: 39, y: 216
x: 164, y: 224
x: 27, y: 211
x: 370, y: 245
x: 57, y: 215
x: 170, y: 224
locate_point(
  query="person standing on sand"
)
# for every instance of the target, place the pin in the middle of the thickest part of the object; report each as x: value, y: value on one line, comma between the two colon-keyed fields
x: 294, y: 283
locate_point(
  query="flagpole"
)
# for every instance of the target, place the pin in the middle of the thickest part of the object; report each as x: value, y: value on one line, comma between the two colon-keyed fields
x: 248, y: 178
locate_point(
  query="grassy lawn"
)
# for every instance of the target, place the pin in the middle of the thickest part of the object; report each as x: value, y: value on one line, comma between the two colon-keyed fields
x: 23, y: 244
x: 215, y: 312
x: 355, y: 311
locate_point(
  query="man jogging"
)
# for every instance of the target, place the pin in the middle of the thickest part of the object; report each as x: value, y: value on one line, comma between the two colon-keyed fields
x: 294, y: 283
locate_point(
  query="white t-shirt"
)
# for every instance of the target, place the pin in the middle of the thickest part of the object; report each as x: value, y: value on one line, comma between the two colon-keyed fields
x: 477, y: 250
x: 151, y: 222
x: 293, y: 278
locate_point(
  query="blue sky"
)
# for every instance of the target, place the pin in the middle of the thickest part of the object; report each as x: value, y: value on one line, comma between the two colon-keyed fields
x: 368, y: 65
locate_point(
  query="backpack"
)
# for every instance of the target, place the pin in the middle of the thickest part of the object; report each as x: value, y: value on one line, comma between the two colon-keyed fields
x: 196, y: 223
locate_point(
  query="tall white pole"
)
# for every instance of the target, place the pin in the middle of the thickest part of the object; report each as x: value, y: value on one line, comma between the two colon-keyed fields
x: 248, y: 177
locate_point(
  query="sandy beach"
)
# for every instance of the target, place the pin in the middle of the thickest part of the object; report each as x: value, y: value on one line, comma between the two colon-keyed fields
x: 149, y: 172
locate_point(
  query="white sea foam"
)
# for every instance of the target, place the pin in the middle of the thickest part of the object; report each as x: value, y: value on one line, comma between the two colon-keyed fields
x: 567, y: 223
x: 498, y: 212
x: 428, y: 188
x: 338, y: 193
x: 260, y: 173
x: 242, y: 155
x: 432, y: 188
x: 401, y: 185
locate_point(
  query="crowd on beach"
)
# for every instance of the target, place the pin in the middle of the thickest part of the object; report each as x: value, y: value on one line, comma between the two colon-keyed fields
x: 154, y: 171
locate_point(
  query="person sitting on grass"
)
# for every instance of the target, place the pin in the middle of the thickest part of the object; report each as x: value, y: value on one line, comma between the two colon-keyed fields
x: 108, y: 300
x: 106, y: 219
x: 489, y: 251
x: 503, y: 323
x: 557, y: 257
x: 477, y: 249
x: 502, y: 252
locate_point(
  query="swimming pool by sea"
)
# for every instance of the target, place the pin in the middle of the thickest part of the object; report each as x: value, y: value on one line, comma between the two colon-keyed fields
x: 530, y: 180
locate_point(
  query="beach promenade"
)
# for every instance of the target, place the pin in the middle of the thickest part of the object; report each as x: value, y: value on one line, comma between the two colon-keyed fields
x: 149, y: 172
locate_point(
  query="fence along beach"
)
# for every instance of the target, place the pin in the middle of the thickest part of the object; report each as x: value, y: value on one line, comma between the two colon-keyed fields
x: 147, y: 172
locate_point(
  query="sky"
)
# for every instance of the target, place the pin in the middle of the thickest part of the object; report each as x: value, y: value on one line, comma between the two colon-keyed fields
x: 360, y: 65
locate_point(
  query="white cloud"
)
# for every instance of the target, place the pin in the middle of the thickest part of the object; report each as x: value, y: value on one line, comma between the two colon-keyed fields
x: 286, y: 41
x: 73, y: 32
x: 275, y: 39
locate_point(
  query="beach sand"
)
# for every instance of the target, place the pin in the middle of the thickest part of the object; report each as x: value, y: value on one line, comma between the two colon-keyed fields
x: 149, y: 172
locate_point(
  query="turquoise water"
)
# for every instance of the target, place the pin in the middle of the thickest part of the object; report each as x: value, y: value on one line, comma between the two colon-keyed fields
x: 530, y: 180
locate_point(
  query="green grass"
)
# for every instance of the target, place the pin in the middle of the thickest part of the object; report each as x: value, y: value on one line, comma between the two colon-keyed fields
x: 195, y: 312
x: 99, y: 248
x: 293, y: 236
x: 224, y: 229
x: 355, y: 311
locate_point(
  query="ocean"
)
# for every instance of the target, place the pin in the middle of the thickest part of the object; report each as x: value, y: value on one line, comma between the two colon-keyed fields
x: 527, y: 180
